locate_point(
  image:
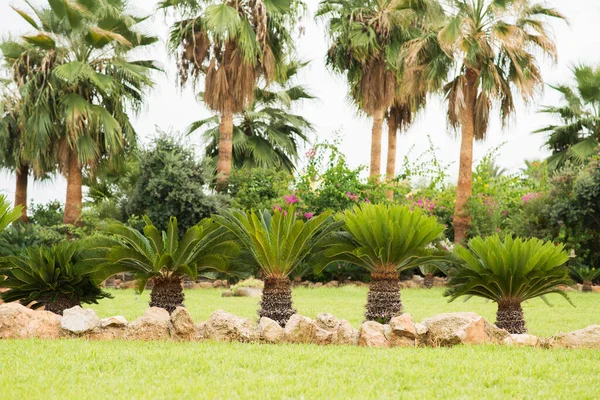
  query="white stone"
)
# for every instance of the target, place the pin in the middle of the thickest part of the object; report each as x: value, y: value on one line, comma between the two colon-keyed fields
x: 78, y: 320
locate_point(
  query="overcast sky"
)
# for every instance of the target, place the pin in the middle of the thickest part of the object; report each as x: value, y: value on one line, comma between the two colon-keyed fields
x: 171, y: 109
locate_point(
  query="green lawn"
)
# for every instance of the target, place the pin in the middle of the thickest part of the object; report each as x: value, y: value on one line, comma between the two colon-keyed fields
x: 80, y: 369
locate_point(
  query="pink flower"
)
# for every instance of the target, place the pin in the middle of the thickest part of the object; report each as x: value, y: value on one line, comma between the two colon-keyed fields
x: 530, y: 196
x: 308, y: 215
x: 367, y: 200
x: 291, y: 199
x: 311, y: 153
x: 352, y: 196
x: 276, y: 207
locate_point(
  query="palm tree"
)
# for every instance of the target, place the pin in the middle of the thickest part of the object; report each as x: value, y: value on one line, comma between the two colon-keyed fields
x: 491, y: 41
x: 166, y: 259
x: 277, y: 243
x: 578, y: 136
x: 231, y: 44
x: 385, y: 240
x: 367, y: 37
x: 77, y: 76
x: 508, y: 271
x: 586, y: 275
x: 265, y: 134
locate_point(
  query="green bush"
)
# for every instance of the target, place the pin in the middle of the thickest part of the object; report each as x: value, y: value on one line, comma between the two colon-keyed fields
x: 258, y: 188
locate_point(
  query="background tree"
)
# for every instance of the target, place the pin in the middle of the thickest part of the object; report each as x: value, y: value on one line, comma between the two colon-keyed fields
x: 84, y: 85
x: 232, y: 44
x: 578, y: 136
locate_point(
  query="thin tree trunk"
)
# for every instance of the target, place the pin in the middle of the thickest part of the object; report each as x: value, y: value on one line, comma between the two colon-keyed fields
x: 276, y: 302
x: 167, y: 293
x: 462, y: 217
x: 225, y: 149
x: 375, y: 169
x: 428, y: 280
x: 510, y: 316
x: 21, y: 190
x: 74, y: 200
x: 383, y: 299
x: 390, y: 170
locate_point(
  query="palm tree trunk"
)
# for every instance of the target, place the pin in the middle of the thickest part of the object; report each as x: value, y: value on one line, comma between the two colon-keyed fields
x: 390, y: 170
x: 383, y: 299
x: 587, y: 286
x: 276, y: 302
x: 167, y: 293
x: 225, y: 149
x: 60, y: 304
x: 375, y: 169
x: 74, y: 200
x: 21, y: 190
x: 462, y: 217
x: 510, y: 316
x: 428, y: 281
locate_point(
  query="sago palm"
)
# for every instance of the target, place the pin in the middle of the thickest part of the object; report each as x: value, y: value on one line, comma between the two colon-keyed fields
x: 586, y: 275
x: 165, y: 259
x: 59, y: 277
x: 8, y: 215
x: 77, y: 75
x: 385, y: 240
x: 578, y: 136
x: 492, y: 44
x: 266, y: 134
x: 277, y: 244
x: 233, y: 45
x: 508, y: 271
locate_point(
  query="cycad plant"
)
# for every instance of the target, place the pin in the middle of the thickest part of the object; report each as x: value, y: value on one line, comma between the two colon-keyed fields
x: 166, y: 259
x: 59, y: 277
x: 8, y: 215
x: 385, y: 240
x: 277, y: 244
x: 509, y: 271
x: 586, y: 275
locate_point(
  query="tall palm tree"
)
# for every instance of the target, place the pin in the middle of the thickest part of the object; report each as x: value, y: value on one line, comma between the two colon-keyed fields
x: 491, y: 41
x: 578, y: 136
x: 232, y: 44
x: 367, y: 37
x: 76, y: 72
x: 266, y: 134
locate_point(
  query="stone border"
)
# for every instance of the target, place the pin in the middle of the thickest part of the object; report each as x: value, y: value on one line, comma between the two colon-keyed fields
x: 443, y: 330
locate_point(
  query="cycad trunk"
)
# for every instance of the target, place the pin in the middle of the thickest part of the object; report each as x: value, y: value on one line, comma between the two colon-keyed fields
x: 21, y: 190
x: 462, y: 218
x: 276, y: 302
x: 383, y: 299
x: 510, y: 316
x: 167, y: 293
x: 74, y: 200
x: 587, y: 286
x: 225, y: 149
x: 61, y: 304
x: 375, y: 168
x: 390, y: 169
x: 428, y: 281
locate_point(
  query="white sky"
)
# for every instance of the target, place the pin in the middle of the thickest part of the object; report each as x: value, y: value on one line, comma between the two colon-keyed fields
x: 170, y: 109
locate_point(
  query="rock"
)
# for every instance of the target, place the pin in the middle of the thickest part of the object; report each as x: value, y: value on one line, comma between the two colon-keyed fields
x: 127, y: 285
x: 182, y: 325
x: 117, y: 321
x: 324, y: 336
x: 108, y: 333
x: 586, y: 338
x: 227, y: 293
x: 20, y: 322
x: 299, y: 329
x: 219, y: 283
x: 78, y: 320
x: 346, y: 334
x: 204, y: 285
x: 332, y: 284
x: 596, y: 289
x: 248, y: 292
x: 372, y: 334
x: 461, y: 327
x: 439, y: 282
x: 270, y: 331
x: 327, y: 321
x: 318, y: 285
x: 155, y: 324
x: 418, y: 279
x: 522, y: 340
x: 200, y: 331
x: 402, y: 332
x: 227, y: 327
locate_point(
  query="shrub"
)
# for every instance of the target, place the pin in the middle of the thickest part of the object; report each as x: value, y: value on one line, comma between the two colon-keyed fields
x: 586, y: 275
x: 19, y: 237
x: 49, y: 214
x: 257, y: 188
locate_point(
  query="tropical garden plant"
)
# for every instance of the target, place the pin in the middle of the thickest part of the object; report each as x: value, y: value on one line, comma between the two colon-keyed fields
x: 164, y: 258
x: 385, y: 240
x: 79, y: 82
x: 508, y: 272
x: 233, y: 45
x: 586, y: 275
x: 277, y: 243
x: 58, y: 277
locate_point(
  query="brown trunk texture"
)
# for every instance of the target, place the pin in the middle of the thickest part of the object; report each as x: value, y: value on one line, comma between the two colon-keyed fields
x: 225, y: 150
x: 510, y: 317
x: 375, y: 169
x: 383, y: 299
x: 21, y: 190
x: 61, y: 304
x: 462, y: 218
x: 587, y: 286
x: 390, y: 169
x: 167, y: 293
x: 276, y: 300
x: 74, y: 200
x: 428, y: 281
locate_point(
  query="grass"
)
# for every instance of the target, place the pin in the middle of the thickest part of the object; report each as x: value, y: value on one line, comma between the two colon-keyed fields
x: 36, y: 369
x: 348, y: 303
